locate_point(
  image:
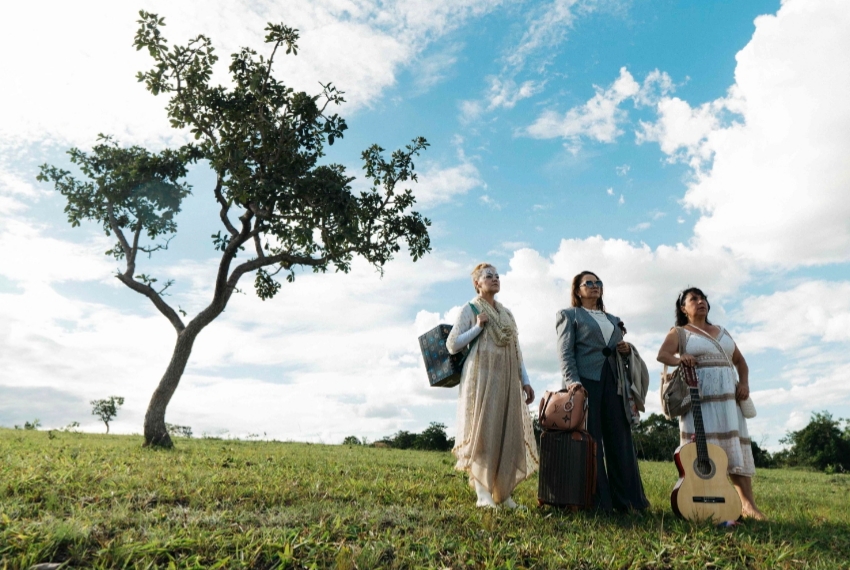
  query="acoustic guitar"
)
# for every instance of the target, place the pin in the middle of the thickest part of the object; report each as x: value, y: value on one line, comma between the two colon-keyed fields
x: 703, y: 491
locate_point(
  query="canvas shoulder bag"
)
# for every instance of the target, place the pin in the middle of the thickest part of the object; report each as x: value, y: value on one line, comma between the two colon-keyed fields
x: 675, y: 396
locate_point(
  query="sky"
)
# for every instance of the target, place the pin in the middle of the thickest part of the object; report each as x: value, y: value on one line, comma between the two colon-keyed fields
x: 660, y: 144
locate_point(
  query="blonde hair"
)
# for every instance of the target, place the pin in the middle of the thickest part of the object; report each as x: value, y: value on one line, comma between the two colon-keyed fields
x: 476, y: 273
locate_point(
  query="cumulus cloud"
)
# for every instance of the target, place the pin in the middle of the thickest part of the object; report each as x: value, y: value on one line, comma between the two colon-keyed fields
x: 812, y: 312
x: 771, y: 180
x: 85, y: 81
x: 601, y: 117
x: 438, y: 185
x: 597, y: 119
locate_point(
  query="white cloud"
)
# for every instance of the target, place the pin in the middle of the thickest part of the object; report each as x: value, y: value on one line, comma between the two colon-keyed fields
x: 502, y: 94
x: 622, y: 200
x: 598, y: 119
x: 440, y: 185
x: 812, y: 312
x: 85, y: 81
x: 547, y: 28
x: 772, y: 186
x: 489, y: 202
x: 640, y: 227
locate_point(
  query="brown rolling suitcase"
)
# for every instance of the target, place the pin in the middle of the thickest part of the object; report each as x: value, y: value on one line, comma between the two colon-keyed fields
x: 567, y: 469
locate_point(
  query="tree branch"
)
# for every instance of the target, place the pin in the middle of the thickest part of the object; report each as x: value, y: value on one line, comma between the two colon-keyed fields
x: 151, y: 294
x: 225, y: 208
x: 113, y: 223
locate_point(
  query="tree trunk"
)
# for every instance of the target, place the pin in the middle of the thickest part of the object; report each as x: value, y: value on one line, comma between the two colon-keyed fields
x: 155, y: 433
x: 107, y: 427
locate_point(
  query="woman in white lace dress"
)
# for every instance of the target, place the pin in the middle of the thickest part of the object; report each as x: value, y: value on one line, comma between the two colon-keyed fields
x: 495, y: 440
x: 711, y: 349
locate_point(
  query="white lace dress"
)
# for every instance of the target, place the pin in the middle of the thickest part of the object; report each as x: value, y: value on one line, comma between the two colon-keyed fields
x: 495, y: 440
x: 721, y: 415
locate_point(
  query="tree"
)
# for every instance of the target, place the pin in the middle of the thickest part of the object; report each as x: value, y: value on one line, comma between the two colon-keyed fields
x: 107, y: 409
x: 264, y: 142
x: 175, y: 430
x: 434, y: 438
x: 820, y: 445
x: 656, y: 438
x: 351, y: 440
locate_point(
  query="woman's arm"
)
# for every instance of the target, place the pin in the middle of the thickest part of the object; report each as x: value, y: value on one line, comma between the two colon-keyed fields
x: 565, y: 329
x: 670, y: 348
x: 465, y: 329
x: 742, y: 392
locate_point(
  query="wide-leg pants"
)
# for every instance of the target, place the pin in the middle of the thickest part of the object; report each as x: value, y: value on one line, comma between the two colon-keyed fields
x: 618, y: 483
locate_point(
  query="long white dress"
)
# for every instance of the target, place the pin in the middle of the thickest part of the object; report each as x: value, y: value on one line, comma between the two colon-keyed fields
x: 495, y: 441
x: 724, y: 424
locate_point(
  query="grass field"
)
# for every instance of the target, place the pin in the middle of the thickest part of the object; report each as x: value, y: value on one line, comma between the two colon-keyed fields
x: 93, y: 501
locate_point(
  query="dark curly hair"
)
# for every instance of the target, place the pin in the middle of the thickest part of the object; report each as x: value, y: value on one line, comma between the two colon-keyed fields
x: 681, y: 317
x: 576, y: 300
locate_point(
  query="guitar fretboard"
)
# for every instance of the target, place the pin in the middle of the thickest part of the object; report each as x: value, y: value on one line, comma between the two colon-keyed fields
x: 703, y: 462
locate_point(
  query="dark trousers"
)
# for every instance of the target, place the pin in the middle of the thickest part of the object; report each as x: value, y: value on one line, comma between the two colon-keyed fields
x: 618, y: 483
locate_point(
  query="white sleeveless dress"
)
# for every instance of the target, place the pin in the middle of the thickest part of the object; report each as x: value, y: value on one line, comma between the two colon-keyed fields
x: 721, y: 415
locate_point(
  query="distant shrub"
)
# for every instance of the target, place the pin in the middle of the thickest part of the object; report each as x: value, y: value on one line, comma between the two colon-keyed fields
x: 656, y: 438
x: 432, y: 439
x: 36, y: 423
x: 762, y: 458
x: 821, y: 445
x: 351, y: 440
x: 181, y: 431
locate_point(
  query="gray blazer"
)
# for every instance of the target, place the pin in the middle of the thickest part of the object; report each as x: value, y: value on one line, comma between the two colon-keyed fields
x: 581, y: 345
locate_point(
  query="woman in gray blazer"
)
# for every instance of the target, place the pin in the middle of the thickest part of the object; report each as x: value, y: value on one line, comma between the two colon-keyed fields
x: 587, y: 339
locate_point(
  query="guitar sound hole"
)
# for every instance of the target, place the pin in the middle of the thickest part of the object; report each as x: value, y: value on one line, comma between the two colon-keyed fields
x: 705, y: 471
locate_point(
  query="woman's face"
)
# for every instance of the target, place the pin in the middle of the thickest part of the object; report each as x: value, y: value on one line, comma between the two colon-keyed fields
x: 695, y: 306
x: 488, y: 281
x: 592, y: 291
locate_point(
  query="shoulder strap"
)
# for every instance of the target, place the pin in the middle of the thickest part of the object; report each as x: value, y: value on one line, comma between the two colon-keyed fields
x: 476, y: 312
x: 683, y: 340
x: 716, y: 344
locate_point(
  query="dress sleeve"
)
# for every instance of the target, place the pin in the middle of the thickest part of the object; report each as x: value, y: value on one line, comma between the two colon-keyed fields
x: 565, y: 329
x: 524, y: 373
x: 464, y: 331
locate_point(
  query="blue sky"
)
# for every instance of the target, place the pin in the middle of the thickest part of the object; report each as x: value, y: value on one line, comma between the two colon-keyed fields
x: 658, y: 143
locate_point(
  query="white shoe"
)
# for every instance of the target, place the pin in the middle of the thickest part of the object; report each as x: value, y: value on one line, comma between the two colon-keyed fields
x: 510, y: 503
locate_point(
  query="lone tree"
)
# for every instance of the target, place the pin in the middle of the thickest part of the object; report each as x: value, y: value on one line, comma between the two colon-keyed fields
x: 264, y: 141
x: 107, y: 409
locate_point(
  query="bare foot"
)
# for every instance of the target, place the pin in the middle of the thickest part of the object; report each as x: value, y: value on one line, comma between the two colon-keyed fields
x: 753, y: 512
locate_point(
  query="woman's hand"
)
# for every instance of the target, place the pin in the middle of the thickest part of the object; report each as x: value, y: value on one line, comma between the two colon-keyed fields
x: 529, y: 393
x: 623, y: 347
x: 688, y: 360
x: 482, y: 319
x: 742, y: 392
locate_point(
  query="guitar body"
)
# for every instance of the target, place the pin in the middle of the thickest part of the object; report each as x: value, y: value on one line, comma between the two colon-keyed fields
x: 703, y: 491
x: 701, y: 495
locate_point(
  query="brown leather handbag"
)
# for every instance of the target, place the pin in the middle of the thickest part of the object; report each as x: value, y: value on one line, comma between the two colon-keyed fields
x: 564, y: 410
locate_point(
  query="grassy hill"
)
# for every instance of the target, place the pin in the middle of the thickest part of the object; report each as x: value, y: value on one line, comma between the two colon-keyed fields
x: 95, y: 501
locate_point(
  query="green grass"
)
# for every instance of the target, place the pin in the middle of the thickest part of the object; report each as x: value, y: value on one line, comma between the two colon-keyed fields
x: 96, y: 501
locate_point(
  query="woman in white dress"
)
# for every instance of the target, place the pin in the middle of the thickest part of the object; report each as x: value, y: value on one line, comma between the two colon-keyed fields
x: 711, y: 349
x: 495, y: 441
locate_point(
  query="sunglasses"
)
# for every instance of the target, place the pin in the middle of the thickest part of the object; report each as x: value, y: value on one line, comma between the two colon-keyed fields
x: 590, y: 284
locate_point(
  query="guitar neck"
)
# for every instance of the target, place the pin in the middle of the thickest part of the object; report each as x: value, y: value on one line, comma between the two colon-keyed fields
x: 699, y: 426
